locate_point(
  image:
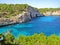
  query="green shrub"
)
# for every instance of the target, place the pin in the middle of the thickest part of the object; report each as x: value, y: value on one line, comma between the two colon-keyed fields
x: 35, y: 39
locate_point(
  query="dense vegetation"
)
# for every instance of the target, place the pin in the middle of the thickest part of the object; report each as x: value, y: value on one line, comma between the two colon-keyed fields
x: 36, y: 39
x: 7, y: 10
x: 43, y: 10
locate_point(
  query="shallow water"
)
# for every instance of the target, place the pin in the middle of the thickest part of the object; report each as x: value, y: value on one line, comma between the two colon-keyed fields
x: 48, y: 25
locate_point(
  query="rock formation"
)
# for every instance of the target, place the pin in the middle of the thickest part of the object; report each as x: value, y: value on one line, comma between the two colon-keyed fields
x: 26, y: 15
x: 55, y: 13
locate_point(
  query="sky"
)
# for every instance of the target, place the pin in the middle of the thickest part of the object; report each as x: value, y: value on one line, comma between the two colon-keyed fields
x: 35, y: 3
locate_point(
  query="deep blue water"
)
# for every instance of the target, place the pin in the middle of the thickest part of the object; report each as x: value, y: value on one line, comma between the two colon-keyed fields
x: 48, y: 25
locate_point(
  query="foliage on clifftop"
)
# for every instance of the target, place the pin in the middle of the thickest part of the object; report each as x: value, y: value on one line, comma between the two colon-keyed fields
x: 7, y: 10
x: 43, y: 10
x: 36, y: 39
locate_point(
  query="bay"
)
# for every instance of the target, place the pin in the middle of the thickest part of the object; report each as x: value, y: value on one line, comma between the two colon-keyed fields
x: 48, y: 25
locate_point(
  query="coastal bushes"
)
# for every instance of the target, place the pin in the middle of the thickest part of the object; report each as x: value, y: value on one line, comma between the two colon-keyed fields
x: 44, y: 10
x: 8, y: 10
x: 35, y: 39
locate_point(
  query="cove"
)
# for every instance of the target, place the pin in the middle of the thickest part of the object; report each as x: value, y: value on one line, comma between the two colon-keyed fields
x: 48, y: 25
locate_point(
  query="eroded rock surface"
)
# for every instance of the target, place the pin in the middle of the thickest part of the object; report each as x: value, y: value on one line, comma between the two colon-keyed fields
x: 54, y: 13
x: 26, y: 15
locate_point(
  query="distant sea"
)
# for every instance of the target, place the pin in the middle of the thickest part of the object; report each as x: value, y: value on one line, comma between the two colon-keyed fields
x: 48, y: 25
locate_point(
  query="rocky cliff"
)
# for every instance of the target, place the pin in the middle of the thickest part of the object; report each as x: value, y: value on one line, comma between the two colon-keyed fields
x: 25, y: 16
x: 54, y: 13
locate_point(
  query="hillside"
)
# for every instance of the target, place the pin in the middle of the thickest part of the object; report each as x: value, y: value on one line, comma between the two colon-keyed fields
x: 17, y: 13
x: 7, y: 10
x: 49, y: 11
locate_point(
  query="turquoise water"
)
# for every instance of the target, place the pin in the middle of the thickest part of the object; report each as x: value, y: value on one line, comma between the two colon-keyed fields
x: 48, y: 25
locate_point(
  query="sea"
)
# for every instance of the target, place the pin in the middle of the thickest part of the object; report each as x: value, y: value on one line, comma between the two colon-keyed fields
x: 46, y: 24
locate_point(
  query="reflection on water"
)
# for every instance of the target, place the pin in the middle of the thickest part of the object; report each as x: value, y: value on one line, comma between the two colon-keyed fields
x: 48, y: 25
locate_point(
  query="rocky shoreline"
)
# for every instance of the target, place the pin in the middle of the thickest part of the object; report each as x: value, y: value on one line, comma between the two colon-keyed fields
x: 54, y: 13
x: 27, y: 15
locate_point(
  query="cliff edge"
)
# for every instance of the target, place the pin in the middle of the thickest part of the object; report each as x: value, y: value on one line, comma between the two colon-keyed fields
x: 54, y: 13
x: 28, y: 14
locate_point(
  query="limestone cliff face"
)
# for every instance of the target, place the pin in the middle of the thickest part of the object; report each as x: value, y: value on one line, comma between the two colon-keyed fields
x: 55, y: 13
x: 26, y: 15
